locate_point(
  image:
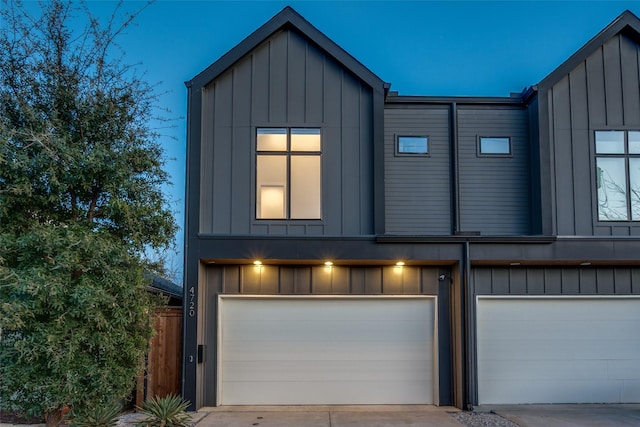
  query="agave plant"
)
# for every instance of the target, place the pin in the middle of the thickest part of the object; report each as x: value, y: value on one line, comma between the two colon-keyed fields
x: 100, y: 416
x: 169, y: 411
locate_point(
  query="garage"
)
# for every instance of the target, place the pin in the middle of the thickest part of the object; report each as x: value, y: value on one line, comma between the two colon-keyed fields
x: 334, y: 350
x: 558, y: 350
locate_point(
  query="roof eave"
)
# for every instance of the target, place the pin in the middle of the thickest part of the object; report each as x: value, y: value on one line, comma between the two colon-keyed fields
x: 288, y: 17
x: 626, y: 22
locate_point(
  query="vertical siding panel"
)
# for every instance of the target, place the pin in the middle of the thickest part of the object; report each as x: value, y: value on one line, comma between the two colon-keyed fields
x: 260, y: 85
x: 622, y: 277
x: 630, y: 81
x: 314, y: 99
x: 206, y: 161
x: 340, y: 280
x: 242, y: 210
x: 302, y: 280
x: 606, y: 281
x: 570, y: 281
x: 595, y: 82
x: 221, y: 221
x: 430, y: 281
x: 581, y: 152
x: 552, y: 281
x: 296, y: 78
x: 391, y: 280
x: 373, y: 281
x: 500, y: 281
x: 321, y: 278
x: 563, y: 158
x: 230, y: 282
x: 350, y: 155
x: 366, y: 161
x: 482, y: 281
x: 287, y: 280
x: 535, y: 281
x: 518, y: 281
x: 357, y: 285
x: 332, y: 149
x: 588, y: 281
x: 635, y: 281
x: 270, y: 279
x: 612, y: 80
x: 278, y: 78
x: 410, y: 279
x: 250, y: 276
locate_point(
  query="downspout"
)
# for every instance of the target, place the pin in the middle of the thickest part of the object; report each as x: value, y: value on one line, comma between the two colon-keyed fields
x: 455, y: 189
x: 468, y: 335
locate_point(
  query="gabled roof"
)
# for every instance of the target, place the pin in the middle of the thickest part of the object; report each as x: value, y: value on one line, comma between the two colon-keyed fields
x: 627, y: 23
x: 287, y: 18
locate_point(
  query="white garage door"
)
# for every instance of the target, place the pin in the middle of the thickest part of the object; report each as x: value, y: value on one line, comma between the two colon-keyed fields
x: 279, y: 351
x: 558, y: 350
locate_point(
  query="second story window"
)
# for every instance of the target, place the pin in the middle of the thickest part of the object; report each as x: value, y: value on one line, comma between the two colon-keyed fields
x: 288, y: 173
x: 618, y: 175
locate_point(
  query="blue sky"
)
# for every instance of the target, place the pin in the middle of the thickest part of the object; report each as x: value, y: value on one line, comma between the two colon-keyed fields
x: 457, y: 48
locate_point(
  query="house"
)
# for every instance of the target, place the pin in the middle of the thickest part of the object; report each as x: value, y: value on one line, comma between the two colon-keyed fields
x: 349, y: 245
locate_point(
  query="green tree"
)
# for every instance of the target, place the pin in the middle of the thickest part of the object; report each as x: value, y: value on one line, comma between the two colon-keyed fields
x: 81, y: 205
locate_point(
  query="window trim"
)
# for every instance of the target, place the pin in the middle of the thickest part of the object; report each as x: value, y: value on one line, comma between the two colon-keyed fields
x: 479, y: 146
x: 626, y: 156
x: 397, y: 151
x: 288, y: 153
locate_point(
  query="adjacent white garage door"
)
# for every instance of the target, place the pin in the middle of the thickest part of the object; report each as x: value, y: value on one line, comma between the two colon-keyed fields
x: 558, y: 350
x: 278, y: 351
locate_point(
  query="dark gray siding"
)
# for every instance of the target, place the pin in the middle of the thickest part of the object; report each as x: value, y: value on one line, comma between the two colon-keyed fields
x: 417, y: 188
x: 556, y: 280
x: 600, y: 93
x: 284, y: 82
x: 494, y: 192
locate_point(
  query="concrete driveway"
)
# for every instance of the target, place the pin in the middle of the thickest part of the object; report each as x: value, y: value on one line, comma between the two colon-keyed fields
x: 328, y: 416
x: 417, y: 416
x: 568, y: 415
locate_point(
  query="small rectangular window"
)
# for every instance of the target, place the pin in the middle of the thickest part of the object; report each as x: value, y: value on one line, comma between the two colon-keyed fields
x: 496, y: 146
x: 412, y: 145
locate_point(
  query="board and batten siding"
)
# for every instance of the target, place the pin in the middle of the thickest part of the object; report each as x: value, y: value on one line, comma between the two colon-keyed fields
x: 286, y: 82
x: 494, y: 191
x: 556, y: 280
x: 417, y: 188
x: 600, y: 93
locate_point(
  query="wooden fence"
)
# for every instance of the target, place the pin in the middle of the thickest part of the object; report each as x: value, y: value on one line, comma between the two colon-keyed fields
x: 164, y: 362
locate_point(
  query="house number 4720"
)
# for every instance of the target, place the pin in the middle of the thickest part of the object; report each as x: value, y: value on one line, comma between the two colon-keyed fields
x: 192, y: 302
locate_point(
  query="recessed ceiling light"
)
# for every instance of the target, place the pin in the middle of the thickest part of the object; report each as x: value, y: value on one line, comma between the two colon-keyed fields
x: 328, y: 263
x: 400, y: 263
x: 514, y: 263
x: 585, y: 263
x: 257, y: 262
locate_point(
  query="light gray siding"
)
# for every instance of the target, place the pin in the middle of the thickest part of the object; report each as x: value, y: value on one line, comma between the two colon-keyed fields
x: 286, y: 82
x: 494, y: 190
x: 556, y: 280
x: 417, y: 188
x: 600, y: 93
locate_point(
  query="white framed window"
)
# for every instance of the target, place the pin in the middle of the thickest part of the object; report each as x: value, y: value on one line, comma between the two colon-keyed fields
x: 288, y: 173
x: 494, y: 146
x: 618, y: 175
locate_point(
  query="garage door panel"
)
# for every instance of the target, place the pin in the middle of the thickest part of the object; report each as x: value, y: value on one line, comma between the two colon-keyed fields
x: 326, y: 393
x: 361, y: 330
x: 327, y: 351
x: 558, y: 350
x: 316, y: 350
x: 326, y: 371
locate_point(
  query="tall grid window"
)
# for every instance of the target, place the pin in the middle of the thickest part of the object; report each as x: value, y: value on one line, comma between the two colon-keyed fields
x: 288, y: 173
x: 618, y: 175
